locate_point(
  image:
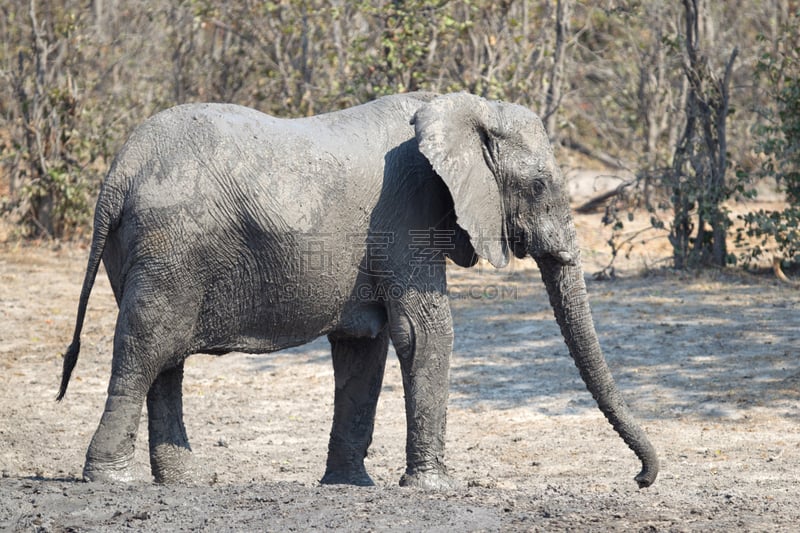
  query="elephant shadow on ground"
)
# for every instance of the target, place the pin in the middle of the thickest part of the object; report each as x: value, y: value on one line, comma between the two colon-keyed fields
x: 711, y: 350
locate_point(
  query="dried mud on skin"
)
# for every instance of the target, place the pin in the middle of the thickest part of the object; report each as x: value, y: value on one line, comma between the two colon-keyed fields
x: 710, y: 365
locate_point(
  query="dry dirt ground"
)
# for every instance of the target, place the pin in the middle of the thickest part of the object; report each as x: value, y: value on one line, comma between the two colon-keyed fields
x: 710, y: 364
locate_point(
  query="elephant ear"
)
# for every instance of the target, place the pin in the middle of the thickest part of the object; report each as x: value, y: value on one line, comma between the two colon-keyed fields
x: 455, y: 133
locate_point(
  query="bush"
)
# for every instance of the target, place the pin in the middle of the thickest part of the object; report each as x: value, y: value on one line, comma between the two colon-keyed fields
x: 779, y: 145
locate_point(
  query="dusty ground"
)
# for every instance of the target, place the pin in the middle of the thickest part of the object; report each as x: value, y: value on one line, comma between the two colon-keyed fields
x: 709, y: 364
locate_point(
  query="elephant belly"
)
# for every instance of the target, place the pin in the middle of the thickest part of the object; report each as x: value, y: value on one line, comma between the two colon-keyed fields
x: 266, y: 312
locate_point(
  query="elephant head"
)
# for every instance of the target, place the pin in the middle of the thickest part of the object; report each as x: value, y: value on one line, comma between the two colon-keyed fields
x: 510, y: 197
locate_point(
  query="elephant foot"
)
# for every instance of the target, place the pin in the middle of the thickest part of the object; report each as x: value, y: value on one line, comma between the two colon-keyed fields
x: 430, y: 480
x: 119, y: 471
x: 359, y: 478
x: 171, y: 464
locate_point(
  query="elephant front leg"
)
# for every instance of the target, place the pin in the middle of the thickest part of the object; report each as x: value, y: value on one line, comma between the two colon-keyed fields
x: 358, y: 365
x: 422, y: 334
x: 170, y: 453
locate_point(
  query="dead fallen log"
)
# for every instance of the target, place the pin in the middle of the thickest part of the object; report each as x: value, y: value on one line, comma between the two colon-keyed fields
x: 599, y: 202
x: 606, y: 159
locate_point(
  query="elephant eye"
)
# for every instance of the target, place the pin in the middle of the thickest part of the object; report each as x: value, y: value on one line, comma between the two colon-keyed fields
x: 537, y: 186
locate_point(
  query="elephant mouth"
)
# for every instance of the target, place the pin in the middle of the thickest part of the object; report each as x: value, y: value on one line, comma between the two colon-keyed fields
x: 525, y: 243
x: 565, y: 258
x: 562, y: 257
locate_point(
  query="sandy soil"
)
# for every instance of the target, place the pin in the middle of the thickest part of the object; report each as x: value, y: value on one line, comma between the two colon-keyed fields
x: 710, y: 364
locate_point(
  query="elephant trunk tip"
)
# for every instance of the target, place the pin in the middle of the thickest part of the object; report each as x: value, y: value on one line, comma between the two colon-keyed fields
x: 647, y: 476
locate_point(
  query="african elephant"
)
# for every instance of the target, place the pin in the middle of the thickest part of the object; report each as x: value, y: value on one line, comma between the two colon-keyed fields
x: 224, y: 229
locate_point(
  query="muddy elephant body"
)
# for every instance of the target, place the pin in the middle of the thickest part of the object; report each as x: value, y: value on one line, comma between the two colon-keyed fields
x: 223, y: 229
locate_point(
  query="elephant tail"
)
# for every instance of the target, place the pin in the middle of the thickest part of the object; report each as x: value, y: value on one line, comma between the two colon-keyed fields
x: 106, y: 217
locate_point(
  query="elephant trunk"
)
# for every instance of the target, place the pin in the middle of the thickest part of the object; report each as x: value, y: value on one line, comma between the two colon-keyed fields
x: 567, y: 291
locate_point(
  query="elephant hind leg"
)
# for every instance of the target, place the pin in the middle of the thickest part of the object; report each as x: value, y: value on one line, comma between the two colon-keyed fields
x: 170, y: 453
x: 144, y: 346
x: 110, y: 454
x: 358, y: 366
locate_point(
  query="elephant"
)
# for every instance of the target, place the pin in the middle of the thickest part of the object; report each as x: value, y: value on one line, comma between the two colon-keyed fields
x: 225, y: 229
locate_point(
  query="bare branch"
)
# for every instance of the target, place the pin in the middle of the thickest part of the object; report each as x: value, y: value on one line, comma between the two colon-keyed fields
x: 776, y: 268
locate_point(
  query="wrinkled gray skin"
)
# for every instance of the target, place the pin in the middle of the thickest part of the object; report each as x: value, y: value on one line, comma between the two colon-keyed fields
x: 225, y: 229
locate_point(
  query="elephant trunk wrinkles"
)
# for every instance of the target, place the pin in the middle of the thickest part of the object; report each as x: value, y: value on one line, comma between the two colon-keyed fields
x: 567, y: 291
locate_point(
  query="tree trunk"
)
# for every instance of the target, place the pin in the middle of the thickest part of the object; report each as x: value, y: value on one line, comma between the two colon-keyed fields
x: 700, y: 159
x: 563, y: 12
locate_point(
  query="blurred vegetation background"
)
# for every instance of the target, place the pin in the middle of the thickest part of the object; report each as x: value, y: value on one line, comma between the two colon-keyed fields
x: 697, y: 101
